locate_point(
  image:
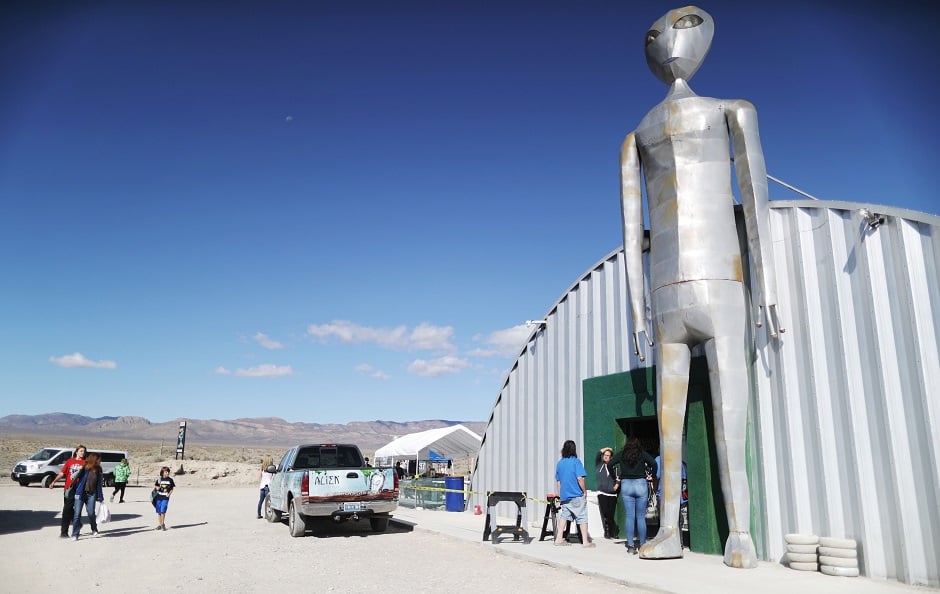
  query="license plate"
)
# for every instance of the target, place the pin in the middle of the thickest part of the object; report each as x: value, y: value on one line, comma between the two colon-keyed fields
x: 354, y: 507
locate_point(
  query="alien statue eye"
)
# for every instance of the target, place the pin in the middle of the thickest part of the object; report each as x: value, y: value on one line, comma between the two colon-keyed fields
x: 651, y: 35
x: 688, y: 21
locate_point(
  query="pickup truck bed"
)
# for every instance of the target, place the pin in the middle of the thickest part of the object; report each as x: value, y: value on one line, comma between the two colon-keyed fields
x: 330, y: 481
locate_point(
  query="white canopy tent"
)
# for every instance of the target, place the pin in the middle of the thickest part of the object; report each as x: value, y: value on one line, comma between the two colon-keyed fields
x: 451, y: 442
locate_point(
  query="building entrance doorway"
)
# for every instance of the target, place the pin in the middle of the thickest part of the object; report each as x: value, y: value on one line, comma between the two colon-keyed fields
x: 623, y: 404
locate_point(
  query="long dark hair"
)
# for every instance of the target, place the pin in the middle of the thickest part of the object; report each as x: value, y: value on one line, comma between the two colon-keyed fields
x: 92, y: 462
x: 569, y: 449
x: 632, y: 452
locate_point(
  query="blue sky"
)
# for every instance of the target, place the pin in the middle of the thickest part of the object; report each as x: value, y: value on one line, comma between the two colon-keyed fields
x: 341, y: 211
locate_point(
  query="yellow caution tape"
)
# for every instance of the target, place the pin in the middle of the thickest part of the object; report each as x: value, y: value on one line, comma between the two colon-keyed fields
x: 444, y: 490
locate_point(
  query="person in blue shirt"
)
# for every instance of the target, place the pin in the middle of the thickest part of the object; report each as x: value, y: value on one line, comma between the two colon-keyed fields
x: 569, y: 483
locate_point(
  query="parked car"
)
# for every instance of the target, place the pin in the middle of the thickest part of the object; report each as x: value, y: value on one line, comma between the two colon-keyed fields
x: 43, y: 466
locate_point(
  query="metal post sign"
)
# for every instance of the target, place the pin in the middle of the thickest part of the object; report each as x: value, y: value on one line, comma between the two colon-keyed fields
x: 181, y: 441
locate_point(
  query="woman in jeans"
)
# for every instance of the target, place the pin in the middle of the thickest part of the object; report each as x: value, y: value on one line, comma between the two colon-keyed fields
x: 87, y: 493
x: 265, y: 484
x: 634, y: 492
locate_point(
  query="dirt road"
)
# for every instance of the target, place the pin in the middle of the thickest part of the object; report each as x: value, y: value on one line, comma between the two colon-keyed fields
x: 215, y: 544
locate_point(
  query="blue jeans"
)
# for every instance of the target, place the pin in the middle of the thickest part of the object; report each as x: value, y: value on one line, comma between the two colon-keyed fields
x: 87, y: 501
x: 635, y: 495
x: 264, y: 492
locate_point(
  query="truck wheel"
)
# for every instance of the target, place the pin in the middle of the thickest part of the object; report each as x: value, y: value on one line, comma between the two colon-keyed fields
x: 295, y: 521
x: 270, y: 514
x: 47, y: 480
x: 379, y: 524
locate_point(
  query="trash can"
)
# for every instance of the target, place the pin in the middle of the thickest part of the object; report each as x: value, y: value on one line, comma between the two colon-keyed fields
x: 453, y: 501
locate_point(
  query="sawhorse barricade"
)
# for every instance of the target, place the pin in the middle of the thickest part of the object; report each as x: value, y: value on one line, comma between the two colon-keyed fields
x: 491, y: 530
x: 551, y: 515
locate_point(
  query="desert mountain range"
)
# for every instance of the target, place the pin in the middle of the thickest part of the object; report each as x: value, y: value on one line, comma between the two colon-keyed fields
x: 265, y: 431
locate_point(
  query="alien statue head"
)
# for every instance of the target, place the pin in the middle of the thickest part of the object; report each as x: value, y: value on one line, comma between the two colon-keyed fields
x: 677, y: 43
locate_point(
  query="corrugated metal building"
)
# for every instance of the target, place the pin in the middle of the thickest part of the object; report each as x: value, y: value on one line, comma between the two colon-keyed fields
x: 844, y: 427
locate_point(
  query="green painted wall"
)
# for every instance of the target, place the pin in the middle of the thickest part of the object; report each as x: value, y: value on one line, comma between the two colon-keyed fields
x: 612, y: 402
x: 627, y: 395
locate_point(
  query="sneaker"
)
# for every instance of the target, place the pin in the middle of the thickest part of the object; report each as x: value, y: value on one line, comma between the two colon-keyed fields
x: 259, y: 517
x: 95, y: 533
x: 163, y: 527
x: 74, y: 538
x: 631, y: 551
x: 121, y: 501
x: 63, y: 536
x: 159, y: 527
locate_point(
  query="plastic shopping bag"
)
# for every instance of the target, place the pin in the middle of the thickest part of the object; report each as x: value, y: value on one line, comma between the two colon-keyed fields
x: 103, y: 514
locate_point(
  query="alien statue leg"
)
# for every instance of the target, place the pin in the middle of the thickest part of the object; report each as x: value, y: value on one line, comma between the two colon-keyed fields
x: 727, y: 372
x: 672, y: 389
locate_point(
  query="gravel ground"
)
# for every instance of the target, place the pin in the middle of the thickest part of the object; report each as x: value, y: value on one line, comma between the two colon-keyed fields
x: 215, y: 544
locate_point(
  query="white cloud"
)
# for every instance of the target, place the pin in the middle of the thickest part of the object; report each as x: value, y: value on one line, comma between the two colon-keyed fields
x: 424, y: 337
x: 79, y: 360
x: 432, y: 338
x: 437, y: 367
x: 267, y: 342
x: 352, y: 333
x: 222, y: 371
x: 366, y: 369
x: 267, y: 370
x: 504, y: 343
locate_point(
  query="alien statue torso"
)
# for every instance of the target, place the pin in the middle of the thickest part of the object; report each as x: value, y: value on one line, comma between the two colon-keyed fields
x: 684, y: 148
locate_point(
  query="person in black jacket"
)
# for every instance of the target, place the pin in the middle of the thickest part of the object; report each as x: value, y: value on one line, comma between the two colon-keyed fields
x: 608, y: 483
x: 634, y: 491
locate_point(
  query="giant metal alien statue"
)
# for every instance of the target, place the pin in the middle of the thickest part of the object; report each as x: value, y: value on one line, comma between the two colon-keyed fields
x: 685, y: 146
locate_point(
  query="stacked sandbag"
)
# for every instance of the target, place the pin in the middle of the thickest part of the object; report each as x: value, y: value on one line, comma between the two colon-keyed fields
x: 801, y: 552
x: 838, y: 556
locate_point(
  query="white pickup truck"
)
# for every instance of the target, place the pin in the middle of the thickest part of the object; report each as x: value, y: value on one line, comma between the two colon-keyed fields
x: 329, y: 481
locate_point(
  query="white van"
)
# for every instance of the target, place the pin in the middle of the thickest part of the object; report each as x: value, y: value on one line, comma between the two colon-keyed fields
x: 43, y: 466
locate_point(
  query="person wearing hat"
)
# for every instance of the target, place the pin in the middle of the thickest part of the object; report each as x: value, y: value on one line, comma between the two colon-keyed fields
x: 121, y: 473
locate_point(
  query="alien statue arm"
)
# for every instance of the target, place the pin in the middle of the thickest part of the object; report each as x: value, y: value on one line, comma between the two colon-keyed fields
x: 631, y: 205
x: 751, y: 174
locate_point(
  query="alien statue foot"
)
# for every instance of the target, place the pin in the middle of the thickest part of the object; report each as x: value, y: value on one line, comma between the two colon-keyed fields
x: 665, y: 545
x: 739, y: 551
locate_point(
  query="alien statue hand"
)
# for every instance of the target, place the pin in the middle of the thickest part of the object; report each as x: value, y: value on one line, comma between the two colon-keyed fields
x: 773, y: 320
x: 636, y: 343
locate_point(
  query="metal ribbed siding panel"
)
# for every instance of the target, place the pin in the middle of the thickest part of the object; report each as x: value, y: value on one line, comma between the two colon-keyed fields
x: 850, y: 404
x: 846, y: 425
x: 547, y: 378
